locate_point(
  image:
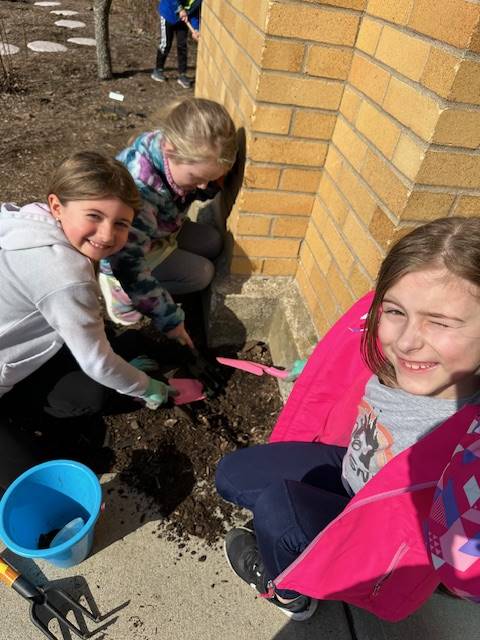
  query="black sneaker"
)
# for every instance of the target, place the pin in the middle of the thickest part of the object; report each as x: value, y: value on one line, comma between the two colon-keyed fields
x: 300, y: 609
x: 184, y: 82
x: 242, y: 554
x: 244, y: 558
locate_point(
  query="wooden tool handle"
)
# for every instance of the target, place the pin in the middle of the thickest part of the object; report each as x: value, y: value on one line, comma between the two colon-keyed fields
x: 192, y: 29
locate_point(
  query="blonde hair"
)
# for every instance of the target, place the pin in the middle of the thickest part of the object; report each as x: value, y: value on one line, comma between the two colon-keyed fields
x: 452, y: 243
x: 91, y: 175
x: 199, y: 130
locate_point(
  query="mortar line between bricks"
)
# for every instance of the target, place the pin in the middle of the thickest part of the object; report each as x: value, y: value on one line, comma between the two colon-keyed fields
x: 406, y: 181
x: 329, y: 8
x: 404, y: 128
x: 413, y: 84
x: 424, y: 37
x: 232, y: 67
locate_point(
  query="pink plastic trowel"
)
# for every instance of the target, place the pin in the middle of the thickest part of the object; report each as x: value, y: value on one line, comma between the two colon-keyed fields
x: 254, y: 367
x: 189, y: 390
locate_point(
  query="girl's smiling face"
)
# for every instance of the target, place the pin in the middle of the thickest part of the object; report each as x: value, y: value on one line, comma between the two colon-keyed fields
x: 96, y: 228
x: 429, y: 329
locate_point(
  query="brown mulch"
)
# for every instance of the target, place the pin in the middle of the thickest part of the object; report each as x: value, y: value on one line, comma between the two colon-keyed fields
x: 50, y: 106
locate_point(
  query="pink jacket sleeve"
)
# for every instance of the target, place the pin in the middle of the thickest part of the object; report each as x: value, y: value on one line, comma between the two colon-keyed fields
x: 330, y: 386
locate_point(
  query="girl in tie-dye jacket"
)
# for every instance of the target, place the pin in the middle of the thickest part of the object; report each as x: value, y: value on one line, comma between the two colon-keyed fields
x: 166, y: 253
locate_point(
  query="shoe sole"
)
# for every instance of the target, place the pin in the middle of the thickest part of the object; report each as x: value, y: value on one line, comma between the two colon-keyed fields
x: 107, y: 296
x: 303, y: 615
x: 158, y: 79
x: 297, y: 617
x: 247, y: 526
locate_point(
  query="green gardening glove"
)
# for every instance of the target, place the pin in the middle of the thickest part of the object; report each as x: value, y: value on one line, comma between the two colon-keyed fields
x: 157, y: 393
x: 296, y: 369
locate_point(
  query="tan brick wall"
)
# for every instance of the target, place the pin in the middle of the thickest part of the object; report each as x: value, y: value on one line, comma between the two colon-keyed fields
x: 362, y: 120
x: 280, y: 69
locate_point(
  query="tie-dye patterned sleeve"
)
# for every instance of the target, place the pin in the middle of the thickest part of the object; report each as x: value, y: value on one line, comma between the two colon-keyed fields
x: 130, y: 267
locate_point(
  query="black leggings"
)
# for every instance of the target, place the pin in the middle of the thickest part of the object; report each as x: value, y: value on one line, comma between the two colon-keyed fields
x: 62, y: 402
x: 167, y: 32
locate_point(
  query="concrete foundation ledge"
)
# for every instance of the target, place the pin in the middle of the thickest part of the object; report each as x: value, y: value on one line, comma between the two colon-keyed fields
x: 270, y: 309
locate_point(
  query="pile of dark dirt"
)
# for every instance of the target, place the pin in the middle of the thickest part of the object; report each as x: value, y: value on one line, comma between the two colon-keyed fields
x: 167, y: 457
x: 50, y: 106
x: 171, y: 454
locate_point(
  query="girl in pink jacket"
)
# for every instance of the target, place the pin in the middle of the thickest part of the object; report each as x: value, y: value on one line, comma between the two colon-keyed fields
x: 338, y: 494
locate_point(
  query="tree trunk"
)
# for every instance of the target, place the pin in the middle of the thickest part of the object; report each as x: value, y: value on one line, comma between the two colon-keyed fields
x: 101, y: 10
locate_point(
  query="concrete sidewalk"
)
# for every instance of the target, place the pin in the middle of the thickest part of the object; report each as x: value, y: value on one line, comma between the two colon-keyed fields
x: 157, y: 590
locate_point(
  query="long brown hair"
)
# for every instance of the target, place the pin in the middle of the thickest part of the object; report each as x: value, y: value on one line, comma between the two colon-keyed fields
x: 453, y: 243
x: 91, y: 175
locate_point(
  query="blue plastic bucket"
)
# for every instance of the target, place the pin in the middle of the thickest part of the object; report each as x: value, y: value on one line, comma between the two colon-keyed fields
x: 47, y: 497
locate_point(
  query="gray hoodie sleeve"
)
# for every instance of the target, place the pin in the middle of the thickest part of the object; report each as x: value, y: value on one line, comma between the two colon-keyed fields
x: 74, y: 312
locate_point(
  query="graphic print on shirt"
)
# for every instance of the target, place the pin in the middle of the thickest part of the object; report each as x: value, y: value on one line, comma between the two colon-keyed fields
x: 370, y: 446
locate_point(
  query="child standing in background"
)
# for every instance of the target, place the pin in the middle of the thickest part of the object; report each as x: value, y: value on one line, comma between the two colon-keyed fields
x: 174, y: 17
x: 50, y: 316
x: 195, y: 146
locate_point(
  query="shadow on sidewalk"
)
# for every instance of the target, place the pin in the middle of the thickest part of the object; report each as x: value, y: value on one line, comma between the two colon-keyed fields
x: 74, y: 586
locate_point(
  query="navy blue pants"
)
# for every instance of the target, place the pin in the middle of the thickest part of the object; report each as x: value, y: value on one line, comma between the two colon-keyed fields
x: 294, y: 490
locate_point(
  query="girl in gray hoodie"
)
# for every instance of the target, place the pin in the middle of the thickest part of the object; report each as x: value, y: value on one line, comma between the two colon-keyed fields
x: 49, y: 300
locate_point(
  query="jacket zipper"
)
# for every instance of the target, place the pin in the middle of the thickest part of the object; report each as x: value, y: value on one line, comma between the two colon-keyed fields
x: 375, y: 498
x: 401, y: 551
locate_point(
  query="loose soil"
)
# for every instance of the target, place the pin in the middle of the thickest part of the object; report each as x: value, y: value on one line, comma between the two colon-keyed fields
x: 51, y: 105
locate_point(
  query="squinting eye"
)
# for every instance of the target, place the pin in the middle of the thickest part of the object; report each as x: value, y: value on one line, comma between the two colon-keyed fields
x: 440, y: 324
x: 93, y: 216
x: 393, y: 312
x: 123, y: 225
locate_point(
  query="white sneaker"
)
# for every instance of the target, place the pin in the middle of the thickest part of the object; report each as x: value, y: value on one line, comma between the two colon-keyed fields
x: 119, y: 306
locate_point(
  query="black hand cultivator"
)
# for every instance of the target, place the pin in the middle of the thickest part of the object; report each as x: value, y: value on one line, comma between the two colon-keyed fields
x: 41, y: 603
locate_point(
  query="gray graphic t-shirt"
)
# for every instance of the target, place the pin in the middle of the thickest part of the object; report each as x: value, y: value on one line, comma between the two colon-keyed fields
x: 389, y: 421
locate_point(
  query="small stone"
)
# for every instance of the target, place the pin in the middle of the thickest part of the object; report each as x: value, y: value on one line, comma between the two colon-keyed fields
x: 43, y: 46
x: 86, y: 42
x: 8, y: 49
x: 202, y: 558
x: 64, y: 12
x: 70, y: 24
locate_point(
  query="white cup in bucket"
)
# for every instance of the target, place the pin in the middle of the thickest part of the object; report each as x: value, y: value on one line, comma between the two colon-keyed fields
x: 52, y: 498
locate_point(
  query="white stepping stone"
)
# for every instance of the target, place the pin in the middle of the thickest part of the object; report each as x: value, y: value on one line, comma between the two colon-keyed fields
x: 8, y: 49
x: 87, y: 42
x: 45, y: 46
x: 64, y: 12
x: 70, y: 24
x: 47, y: 3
